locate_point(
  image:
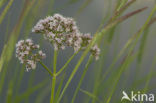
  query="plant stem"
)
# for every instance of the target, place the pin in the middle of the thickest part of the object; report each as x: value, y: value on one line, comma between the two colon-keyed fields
x: 131, y: 49
x: 53, y: 89
x: 66, y: 64
x: 96, y: 38
x: 54, y: 77
x: 82, y: 77
x: 75, y: 70
x: 149, y: 76
x: 3, y: 14
x: 45, y: 67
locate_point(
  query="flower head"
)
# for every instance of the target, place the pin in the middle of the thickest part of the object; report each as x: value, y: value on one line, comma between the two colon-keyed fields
x: 59, y: 30
x: 86, y: 39
x: 95, y: 51
x: 28, y: 53
x: 62, y: 31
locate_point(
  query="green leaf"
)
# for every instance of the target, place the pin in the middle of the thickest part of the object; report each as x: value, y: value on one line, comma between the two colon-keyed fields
x: 59, y: 88
x: 91, y: 95
x: 82, y: 77
x: 5, y: 10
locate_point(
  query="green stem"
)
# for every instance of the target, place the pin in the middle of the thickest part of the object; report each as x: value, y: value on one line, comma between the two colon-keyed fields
x: 45, y: 67
x: 91, y: 95
x: 53, y: 89
x: 96, y: 37
x: 131, y: 49
x: 75, y: 70
x: 54, y: 77
x: 2, y: 3
x: 3, y: 14
x: 66, y: 64
x: 82, y: 77
x: 149, y: 76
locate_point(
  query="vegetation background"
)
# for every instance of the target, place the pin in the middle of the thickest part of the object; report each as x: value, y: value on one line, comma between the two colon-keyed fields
x: 106, y: 78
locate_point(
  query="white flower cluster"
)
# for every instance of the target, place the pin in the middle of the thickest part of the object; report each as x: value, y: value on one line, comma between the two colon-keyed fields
x: 63, y: 31
x: 86, y: 39
x: 25, y: 51
x: 56, y: 29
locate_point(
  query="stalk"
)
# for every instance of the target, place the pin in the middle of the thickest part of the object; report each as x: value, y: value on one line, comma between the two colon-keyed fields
x: 66, y: 64
x: 96, y: 38
x: 54, y: 77
x: 131, y: 49
x: 82, y: 77
x: 2, y: 16
x: 47, y: 69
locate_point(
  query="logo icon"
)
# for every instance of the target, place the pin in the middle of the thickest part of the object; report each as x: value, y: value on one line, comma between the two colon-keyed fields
x: 125, y: 96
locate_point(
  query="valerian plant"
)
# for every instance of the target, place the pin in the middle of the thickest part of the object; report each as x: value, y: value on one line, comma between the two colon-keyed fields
x: 61, y: 32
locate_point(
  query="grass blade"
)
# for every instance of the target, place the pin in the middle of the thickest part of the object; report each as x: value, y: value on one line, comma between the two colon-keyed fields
x: 66, y: 64
x: 82, y: 77
x: 5, y: 10
x: 42, y: 95
x: 59, y: 89
x: 150, y: 75
x: 132, y: 47
x: 144, y: 39
x: 2, y: 3
x: 30, y: 91
x: 119, y: 10
x: 95, y: 38
x: 10, y: 46
x: 83, y: 6
x: 90, y: 95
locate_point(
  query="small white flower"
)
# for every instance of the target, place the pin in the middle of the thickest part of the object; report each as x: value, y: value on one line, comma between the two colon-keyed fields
x: 24, y: 53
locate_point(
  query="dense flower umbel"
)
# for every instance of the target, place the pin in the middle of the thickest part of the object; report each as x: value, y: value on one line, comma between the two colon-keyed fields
x: 57, y: 29
x: 63, y: 31
x: 28, y: 53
